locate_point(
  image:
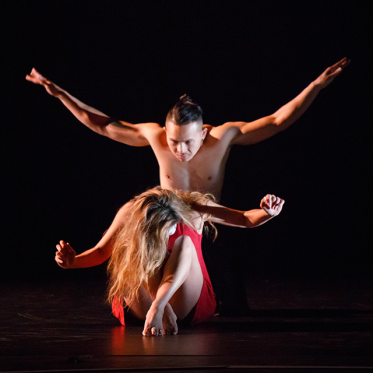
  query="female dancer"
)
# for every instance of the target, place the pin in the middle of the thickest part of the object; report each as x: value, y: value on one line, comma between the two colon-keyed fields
x: 156, y: 265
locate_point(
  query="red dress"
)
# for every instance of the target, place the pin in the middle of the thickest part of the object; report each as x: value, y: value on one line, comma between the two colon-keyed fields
x: 206, y: 304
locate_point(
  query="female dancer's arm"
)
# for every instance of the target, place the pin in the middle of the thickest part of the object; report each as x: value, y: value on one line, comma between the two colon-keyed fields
x: 270, y: 206
x: 175, y: 273
x: 66, y: 257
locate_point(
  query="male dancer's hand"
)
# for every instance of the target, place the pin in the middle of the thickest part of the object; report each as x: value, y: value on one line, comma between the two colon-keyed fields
x: 65, y: 255
x: 272, y: 205
x: 36, y: 78
x: 332, y: 72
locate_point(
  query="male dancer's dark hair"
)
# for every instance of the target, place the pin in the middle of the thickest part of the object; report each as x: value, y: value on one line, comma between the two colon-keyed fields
x: 185, y: 111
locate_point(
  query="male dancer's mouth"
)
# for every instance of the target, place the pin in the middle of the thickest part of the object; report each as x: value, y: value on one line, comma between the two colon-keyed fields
x: 182, y: 157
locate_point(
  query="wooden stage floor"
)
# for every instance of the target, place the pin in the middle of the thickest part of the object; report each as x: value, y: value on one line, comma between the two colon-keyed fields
x: 293, y: 326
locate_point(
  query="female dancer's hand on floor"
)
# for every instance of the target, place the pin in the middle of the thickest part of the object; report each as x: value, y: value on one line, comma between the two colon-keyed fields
x: 153, y: 322
x: 36, y: 78
x: 272, y: 205
x: 65, y: 255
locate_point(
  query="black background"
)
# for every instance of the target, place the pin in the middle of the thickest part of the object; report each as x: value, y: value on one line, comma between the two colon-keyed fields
x: 241, y: 60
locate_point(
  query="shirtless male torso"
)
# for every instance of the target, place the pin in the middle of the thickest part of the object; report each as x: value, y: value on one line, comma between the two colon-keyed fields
x: 192, y: 155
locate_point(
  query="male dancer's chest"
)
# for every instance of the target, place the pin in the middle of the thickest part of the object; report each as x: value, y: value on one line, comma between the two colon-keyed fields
x: 203, y: 173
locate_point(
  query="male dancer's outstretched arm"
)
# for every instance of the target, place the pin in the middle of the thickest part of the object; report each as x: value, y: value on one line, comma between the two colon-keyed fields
x: 97, y: 121
x: 261, y: 129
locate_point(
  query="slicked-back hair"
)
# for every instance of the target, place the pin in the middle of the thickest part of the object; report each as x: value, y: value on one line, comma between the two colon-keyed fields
x: 185, y: 111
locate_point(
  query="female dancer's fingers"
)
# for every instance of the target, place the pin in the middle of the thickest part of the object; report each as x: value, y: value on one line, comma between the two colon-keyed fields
x: 262, y: 202
x: 156, y: 331
x: 61, y: 247
x: 147, y: 330
x: 69, y: 248
x: 58, y: 258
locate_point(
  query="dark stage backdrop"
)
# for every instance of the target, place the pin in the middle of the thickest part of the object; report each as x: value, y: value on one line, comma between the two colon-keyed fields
x: 240, y: 60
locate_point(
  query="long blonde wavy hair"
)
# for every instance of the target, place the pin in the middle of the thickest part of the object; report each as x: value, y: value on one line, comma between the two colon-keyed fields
x: 140, y: 246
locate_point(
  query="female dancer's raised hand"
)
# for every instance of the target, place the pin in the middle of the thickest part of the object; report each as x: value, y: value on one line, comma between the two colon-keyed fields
x: 36, y: 78
x: 271, y: 204
x: 65, y: 255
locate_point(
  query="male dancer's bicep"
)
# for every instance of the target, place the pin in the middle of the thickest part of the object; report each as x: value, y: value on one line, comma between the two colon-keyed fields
x: 127, y: 133
x: 253, y: 132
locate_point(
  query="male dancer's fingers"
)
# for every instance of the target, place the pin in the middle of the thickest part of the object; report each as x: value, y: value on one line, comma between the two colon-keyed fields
x: 342, y: 63
x: 337, y: 68
x: 335, y: 73
x: 334, y: 67
x: 33, y: 76
x: 345, y: 63
x: 35, y: 72
x: 339, y: 63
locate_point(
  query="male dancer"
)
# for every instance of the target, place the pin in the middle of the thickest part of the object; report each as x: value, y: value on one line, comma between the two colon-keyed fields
x: 191, y: 155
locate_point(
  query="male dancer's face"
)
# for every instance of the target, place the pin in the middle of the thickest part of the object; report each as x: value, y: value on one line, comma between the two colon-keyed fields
x: 184, y: 141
